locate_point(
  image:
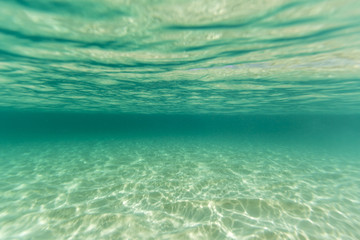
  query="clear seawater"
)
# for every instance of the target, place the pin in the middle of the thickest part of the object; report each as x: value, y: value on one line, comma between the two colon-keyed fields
x: 179, y: 119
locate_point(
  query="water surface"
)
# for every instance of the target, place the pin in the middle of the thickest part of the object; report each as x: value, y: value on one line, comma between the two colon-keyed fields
x: 224, y: 57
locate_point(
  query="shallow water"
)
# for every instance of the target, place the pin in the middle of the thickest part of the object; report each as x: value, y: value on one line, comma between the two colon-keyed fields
x: 113, y: 189
x: 181, y: 177
x: 176, y: 189
x: 179, y: 119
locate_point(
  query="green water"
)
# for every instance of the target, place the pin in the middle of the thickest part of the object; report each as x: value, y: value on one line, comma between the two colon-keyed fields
x: 105, y: 176
x: 180, y: 56
x: 179, y: 119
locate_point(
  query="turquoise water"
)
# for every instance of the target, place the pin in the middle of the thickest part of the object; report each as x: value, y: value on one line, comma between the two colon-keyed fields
x: 179, y: 119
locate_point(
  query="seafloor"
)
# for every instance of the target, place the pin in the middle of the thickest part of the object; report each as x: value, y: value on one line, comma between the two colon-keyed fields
x: 177, y: 187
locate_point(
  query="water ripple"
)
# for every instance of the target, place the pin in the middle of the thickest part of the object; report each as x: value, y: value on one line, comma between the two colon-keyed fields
x: 180, y: 57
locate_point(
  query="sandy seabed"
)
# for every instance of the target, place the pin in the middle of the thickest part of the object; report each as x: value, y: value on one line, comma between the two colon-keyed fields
x: 176, y: 188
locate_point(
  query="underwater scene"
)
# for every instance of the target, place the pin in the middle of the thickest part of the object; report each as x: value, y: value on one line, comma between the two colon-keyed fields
x: 179, y: 119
